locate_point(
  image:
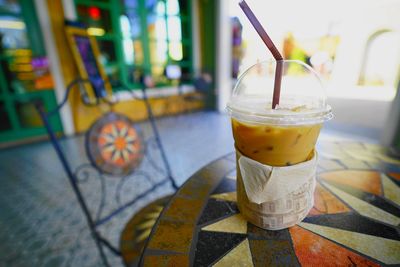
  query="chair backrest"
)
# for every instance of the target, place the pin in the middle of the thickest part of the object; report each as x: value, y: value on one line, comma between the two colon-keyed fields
x: 101, y: 192
x: 110, y: 178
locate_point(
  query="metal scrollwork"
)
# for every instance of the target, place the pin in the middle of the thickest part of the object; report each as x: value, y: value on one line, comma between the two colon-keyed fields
x: 115, y: 147
x: 82, y: 175
x: 150, y: 171
x: 151, y: 147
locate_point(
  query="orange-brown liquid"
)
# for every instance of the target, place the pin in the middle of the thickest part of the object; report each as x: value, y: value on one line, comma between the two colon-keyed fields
x: 275, y: 145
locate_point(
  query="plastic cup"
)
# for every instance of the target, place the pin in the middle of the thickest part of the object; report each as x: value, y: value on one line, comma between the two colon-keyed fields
x: 285, y: 135
x: 279, y: 137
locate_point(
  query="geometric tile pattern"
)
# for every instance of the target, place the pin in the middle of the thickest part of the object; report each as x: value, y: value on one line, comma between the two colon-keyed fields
x: 233, y: 224
x: 210, y: 246
x: 354, y: 221
x: 326, y: 203
x: 396, y: 176
x: 41, y: 223
x: 375, y: 200
x: 231, y: 196
x: 239, y: 256
x: 383, y: 249
x: 391, y: 189
x: 366, y: 181
x: 138, y: 229
x: 217, y: 209
x: 180, y: 217
x: 310, y: 246
x: 363, y: 207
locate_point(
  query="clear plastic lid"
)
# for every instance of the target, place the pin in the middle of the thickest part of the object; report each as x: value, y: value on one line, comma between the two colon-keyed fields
x: 302, y: 97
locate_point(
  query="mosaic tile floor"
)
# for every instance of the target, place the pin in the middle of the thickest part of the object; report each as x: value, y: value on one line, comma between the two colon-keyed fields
x: 41, y: 223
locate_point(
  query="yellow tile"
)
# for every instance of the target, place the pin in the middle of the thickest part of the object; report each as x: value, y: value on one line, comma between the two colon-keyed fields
x: 232, y: 224
x: 388, y: 159
x: 145, y: 234
x: 146, y: 224
x: 329, y: 155
x: 355, y: 164
x: 183, y: 209
x: 352, y: 146
x: 166, y: 260
x: 172, y: 236
x: 390, y: 189
x: 364, y: 208
x: 215, y: 172
x: 329, y: 165
x: 371, y: 154
x: 158, y: 208
x: 152, y: 215
x: 365, y: 155
x: 239, y: 256
x: 374, y: 148
x: 195, y: 189
x: 330, y: 150
x: 382, y: 249
x: 231, y: 196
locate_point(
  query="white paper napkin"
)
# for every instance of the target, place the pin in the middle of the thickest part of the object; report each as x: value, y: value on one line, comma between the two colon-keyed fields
x: 266, y: 183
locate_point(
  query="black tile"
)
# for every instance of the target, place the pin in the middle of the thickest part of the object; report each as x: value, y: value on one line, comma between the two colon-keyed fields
x: 375, y: 200
x: 255, y: 232
x: 211, y: 246
x: 216, y: 209
x: 354, y: 223
x: 273, y: 253
x: 393, y: 179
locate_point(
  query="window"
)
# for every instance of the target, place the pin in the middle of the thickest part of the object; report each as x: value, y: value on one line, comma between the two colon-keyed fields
x: 140, y: 36
x: 24, y: 73
x: 381, y: 60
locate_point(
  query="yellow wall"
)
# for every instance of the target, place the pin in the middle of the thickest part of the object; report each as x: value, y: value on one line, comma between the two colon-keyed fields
x: 68, y: 68
x: 136, y: 109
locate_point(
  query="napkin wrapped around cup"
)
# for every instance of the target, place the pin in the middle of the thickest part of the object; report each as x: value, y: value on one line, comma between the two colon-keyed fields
x: 264, y: 183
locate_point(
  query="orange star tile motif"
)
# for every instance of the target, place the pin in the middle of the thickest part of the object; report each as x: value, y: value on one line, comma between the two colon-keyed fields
x: 326, y: 203
x: 314, y: 250
x: 114, y: 145
x: 367, y: 181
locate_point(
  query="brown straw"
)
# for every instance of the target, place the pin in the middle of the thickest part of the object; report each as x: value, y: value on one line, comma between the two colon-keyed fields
x: 277, y: 83
x: 271, y: 46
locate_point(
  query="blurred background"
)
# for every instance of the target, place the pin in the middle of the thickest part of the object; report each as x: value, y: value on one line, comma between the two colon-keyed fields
x: 198, y: 45
x: 353, y: 45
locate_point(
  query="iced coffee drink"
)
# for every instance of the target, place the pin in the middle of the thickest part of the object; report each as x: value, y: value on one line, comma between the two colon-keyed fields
x: 275, y: 147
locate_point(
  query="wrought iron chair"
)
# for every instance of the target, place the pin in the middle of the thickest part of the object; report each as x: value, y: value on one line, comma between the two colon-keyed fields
x: 146, y: 163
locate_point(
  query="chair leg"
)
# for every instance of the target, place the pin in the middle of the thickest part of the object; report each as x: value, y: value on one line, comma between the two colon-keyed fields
x: 72, y: 180
x: 101, y: 251
x: 158, y: 139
